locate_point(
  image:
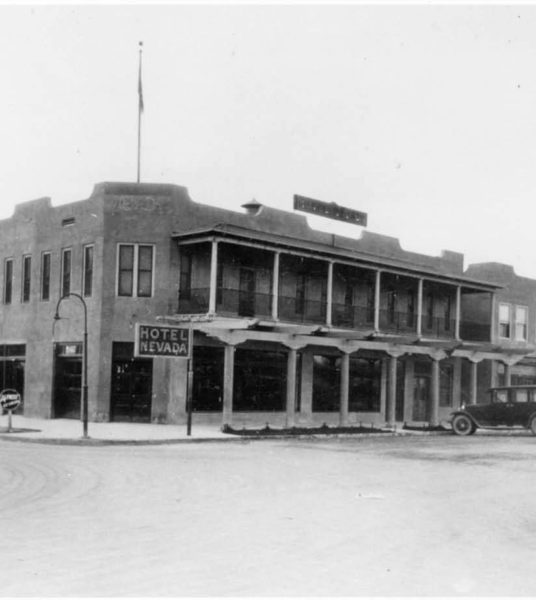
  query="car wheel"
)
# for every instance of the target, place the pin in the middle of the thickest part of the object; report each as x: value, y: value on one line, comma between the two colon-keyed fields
x: 532, y: 425
x: 462, y: 425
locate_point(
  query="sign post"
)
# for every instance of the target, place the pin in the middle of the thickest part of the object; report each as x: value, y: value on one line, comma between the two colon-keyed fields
x: 171, y: 342
x: 9, y: 400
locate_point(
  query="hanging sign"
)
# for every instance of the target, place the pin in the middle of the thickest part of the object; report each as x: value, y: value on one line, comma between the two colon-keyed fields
x: 161, y: 340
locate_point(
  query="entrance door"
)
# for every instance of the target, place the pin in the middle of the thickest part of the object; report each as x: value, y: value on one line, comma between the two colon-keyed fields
x: 132, y: 382
x: 421, y: 398
x: 67, y: 387
x: 246, y: 294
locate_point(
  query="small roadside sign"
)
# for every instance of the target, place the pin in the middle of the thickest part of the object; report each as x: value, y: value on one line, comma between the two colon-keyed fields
x: 162, y: 340
x: 9, y: 399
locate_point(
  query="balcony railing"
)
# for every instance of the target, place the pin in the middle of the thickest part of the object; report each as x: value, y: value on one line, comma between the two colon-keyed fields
x: 232, y: 302
x: 353, y: 317
x: 302, y: 311
x: 398, y: 321
x: 438, y: 327
x: 475, y: 331
x: 194, y: 301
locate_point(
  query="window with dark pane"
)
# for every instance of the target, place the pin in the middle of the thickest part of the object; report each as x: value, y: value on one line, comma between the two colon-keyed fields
x: 126, y: 270
x: 26, y: 277
x: 88, y: 271
x: 145, y: 271
x: 45, y: 276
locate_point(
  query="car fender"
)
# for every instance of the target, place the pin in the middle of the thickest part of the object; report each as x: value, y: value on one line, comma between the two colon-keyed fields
x: 467, y: 414
x: 531, y: 416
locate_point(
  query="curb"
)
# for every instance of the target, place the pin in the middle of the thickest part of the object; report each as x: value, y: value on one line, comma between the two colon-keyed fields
x: 235, y: 438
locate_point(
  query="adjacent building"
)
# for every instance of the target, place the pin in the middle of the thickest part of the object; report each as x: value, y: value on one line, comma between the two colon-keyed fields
x: 291, y: 326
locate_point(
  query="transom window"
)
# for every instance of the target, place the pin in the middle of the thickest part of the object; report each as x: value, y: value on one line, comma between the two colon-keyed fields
x: 135, y: 270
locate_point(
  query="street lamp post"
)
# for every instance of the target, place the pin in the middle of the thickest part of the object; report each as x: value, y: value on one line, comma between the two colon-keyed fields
x: 84, y: 407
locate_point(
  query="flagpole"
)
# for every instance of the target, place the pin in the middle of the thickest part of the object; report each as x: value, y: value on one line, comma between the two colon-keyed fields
x: 140, y: 108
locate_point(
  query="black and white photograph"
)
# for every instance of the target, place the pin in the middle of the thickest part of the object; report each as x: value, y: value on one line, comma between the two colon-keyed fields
x: 267, y: 299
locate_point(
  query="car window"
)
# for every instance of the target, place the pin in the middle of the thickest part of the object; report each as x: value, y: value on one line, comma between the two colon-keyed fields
x: 521, y: 396
x: 500, y: 396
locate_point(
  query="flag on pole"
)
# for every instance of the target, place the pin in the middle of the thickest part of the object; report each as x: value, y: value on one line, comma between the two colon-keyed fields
x: 140, y: 88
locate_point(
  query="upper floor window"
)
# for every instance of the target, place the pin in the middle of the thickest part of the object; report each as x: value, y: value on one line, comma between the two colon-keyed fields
x: 521, y: 323
x: 45, y: 276
x: 26, y: 277
x: 87, y: 282
x: 135, y: 270
x: 504, y: 320
x: 8, y: 280
x: 66, y: 272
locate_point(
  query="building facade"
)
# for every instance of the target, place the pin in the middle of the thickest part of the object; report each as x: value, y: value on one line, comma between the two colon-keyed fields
x: 292, y: 326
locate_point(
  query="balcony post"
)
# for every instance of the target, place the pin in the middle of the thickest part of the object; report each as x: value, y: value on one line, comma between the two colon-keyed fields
x: 213, y: 277
x: 345, y: 384
x: 419, y: 307
x: 458, y: 311
x: 434, y: 412
x: 228, y: 384
x: 507, y: 373
x: 329, y: 295
x: 275, y: 287
x: 291, y: 387
x: 474, y: 381
x: 377, y: 301
x: 391, y: 397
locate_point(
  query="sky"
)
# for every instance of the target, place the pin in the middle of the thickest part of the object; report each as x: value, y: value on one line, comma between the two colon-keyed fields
x: 423, y: 116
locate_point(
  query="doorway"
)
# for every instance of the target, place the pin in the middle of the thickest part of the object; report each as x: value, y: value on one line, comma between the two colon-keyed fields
x: 131, y: 385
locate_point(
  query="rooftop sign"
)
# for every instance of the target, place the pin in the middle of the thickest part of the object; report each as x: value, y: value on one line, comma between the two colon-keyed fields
x: 330, y: 210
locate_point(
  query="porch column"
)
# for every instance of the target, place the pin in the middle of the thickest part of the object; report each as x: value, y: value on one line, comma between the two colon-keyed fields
x: 390, y: 413
x: 213, y: 277
x: 474, y: 381
x: 458, y: 311
x: 434, y: 412
x: 507, y: 373
x: 345, y: 383
x: 329, y: 295
x: 275, y: 287
x: 419, y: 308
x: 377, y: 301
x: 228, y: 384
x: 291, y: 387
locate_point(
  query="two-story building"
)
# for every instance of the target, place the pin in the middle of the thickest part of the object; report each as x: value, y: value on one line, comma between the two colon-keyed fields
x: 291, y: 325
x: 513, y: 330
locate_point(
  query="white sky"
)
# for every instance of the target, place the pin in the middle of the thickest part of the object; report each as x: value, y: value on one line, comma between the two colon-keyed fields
x: 423, y: 116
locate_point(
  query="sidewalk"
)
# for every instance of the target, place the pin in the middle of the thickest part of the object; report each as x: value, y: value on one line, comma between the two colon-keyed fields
x: 69, y: 431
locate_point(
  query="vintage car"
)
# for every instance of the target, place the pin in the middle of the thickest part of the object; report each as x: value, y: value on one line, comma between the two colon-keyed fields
x: 508, y: 406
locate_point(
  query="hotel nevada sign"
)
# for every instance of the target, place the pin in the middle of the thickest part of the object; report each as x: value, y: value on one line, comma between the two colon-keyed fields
x: 161, y: 340
x: 330, y: 210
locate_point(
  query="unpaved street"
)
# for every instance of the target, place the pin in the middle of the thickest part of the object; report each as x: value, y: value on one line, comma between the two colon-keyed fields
x: 418, y: 515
